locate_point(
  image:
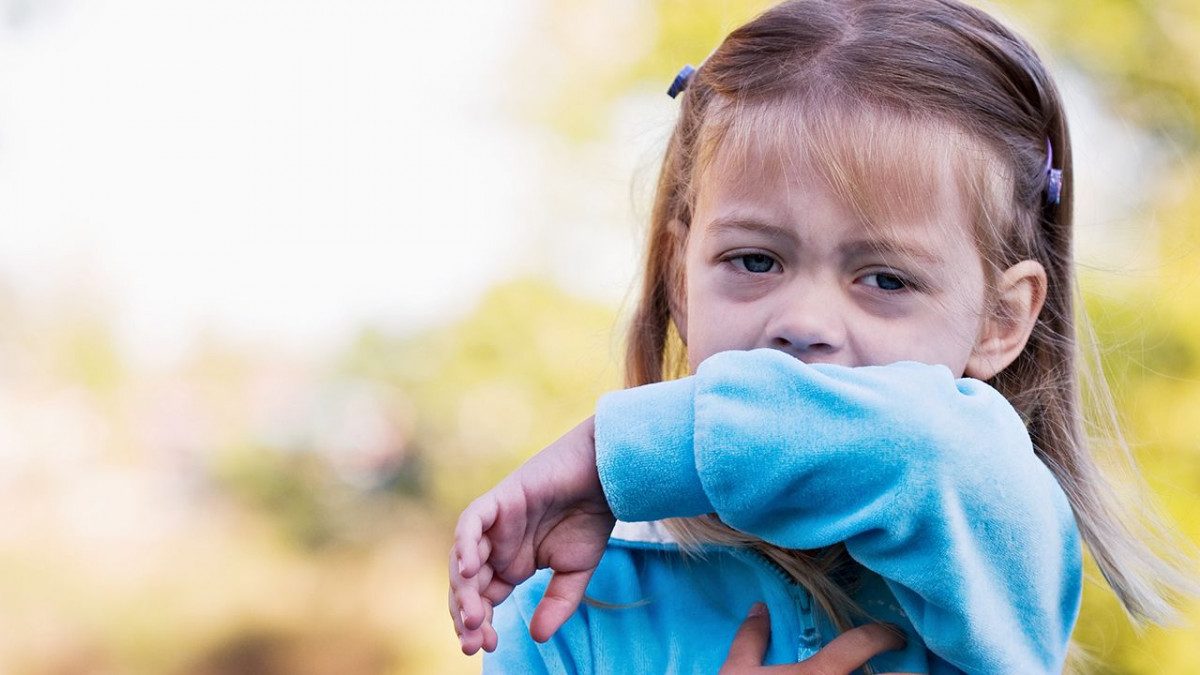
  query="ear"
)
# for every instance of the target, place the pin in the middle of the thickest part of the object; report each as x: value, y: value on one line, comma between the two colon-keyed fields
x: 677, y: 231
x: 1020, y: 294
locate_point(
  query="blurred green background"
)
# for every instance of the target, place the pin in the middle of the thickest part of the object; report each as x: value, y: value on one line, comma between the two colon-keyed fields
x: 283, y: 285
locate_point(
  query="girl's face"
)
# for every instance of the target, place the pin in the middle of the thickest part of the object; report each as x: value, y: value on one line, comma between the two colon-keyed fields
x: 775, y: 259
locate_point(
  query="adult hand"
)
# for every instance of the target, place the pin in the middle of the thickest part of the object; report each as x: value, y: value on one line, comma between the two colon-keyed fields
x: 845, y: 654
x: 551, y: 513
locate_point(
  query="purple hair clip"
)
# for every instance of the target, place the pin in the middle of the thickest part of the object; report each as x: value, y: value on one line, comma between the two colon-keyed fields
x: 1054, y: 179
x: 681, y: 81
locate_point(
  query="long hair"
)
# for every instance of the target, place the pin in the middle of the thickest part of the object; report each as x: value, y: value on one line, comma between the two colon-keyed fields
x: 927, y: 67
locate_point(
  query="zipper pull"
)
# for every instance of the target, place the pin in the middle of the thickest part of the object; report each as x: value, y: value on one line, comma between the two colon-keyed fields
x: 809, y: 639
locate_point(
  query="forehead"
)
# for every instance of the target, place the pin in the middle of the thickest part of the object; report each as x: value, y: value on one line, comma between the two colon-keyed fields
x: 889, y: 170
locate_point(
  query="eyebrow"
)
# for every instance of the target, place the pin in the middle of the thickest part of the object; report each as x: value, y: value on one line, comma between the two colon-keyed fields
x: 743, y: 223
x: 862, y: 247
x: 887, y: 246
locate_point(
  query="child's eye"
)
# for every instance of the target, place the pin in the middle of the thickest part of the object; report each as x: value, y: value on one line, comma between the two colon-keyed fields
x: 755, y: 263
x: 886, y: 281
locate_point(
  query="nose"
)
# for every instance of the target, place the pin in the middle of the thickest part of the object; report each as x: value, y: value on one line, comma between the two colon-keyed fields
x: 809, y: 326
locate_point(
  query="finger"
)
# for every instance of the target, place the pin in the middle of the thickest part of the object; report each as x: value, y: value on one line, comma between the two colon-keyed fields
x: 497, y: 591
x: 454, y: 614
x: 475, y: 605
x: 484, y: 550
x: 458, y: 588
x: 470, y: 597
x: 855, y: 647
x: 510, y: 536
x: 563, y: 595
x: 469, y: 640
x: 468, y: 534
x: 473, y: 639
x: 750, y: 641
x: 490, y: 638
x: 465, y: 598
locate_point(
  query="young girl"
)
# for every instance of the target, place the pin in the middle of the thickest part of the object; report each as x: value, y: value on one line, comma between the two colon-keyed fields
x: 860, y: 248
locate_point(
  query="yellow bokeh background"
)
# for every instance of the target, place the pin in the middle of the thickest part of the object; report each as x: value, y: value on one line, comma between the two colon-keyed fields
x: 264, y: 505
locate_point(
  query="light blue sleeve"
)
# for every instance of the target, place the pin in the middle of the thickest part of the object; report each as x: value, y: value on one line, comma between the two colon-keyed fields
x: 930, y: 481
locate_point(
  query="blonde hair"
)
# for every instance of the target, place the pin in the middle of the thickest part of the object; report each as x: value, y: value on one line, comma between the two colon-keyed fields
x: 940, y: 72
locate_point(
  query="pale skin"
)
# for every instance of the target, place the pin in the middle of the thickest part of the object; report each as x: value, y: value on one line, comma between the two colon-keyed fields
x: 773, y: 259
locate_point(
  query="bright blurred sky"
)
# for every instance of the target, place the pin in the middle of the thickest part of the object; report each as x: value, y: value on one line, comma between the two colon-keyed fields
x: 284, y: 171
x: 275, y: 170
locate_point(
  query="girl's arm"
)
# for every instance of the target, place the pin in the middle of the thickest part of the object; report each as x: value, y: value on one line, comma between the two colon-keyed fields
x: 930, y: 481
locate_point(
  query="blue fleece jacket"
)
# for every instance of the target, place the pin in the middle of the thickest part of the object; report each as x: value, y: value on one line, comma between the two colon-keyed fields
x: 967, y: 541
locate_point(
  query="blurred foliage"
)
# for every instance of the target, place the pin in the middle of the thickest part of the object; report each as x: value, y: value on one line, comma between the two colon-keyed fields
x: 302, y: 494
x: 496, y: 386
x: 1145, y: 52
x: 252, y: 513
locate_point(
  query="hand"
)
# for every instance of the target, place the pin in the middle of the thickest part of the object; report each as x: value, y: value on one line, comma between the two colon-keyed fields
x: 552, y: 513
x: 848, y: 651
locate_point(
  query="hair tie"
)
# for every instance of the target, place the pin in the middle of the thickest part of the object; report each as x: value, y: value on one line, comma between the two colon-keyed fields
x: 1054, y: 179
x: 681, y: 81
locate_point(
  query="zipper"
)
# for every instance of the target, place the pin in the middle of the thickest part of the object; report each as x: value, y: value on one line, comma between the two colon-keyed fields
x: 808, y: 638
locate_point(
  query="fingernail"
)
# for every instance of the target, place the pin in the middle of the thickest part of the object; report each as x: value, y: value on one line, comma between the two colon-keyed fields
x: 757, y: 609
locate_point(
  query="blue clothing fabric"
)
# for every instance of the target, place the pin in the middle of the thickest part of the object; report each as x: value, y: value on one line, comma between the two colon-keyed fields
x: 678, y: 614
x: 931, y: 482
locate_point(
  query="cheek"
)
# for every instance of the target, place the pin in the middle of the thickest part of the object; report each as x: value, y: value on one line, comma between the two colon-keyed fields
x: 949, y: 339
x: 934, y: 335
x: 705, y: 336
x: 715, y: 324
x: 950, y: 349
x: 951, y: 326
